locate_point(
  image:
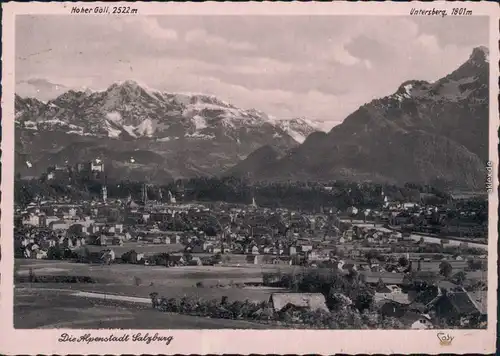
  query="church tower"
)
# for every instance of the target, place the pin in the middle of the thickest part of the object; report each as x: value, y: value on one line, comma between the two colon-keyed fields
x: 104, y: 194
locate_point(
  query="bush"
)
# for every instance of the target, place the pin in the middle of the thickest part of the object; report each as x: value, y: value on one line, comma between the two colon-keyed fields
x: 170, y: 305
x: 54, y: 279
x: 347, y: 318
x: 445, y: 269
x: 55, y: 253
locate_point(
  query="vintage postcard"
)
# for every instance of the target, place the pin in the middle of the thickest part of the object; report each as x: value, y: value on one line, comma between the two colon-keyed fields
x: 249, y: 178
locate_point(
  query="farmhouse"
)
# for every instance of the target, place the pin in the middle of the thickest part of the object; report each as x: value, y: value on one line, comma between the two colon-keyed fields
x: 458, y: 307
x: 291, y: 301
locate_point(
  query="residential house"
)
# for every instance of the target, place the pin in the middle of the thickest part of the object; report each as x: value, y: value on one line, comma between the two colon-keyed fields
x: 195, y: 261
x: 173, y: 239
x: 418, y: 321
x: 176, y: 260
x: 304, y: 248
x: 267, y: 250
x: 458, y: 308
x: 104, y: 240
x: 316, y: 255
x: 47, y: 220
x: 354, y: 253
x: 291, y: 250
x: 59, y: 225
x: 342, y: 265
x: 386, y: 277
x: 196, y: 248
x: 116, y: 228
x: 281, y: 302
x: 117, y: 240
x: 391, y: 294
x: 31, y: 220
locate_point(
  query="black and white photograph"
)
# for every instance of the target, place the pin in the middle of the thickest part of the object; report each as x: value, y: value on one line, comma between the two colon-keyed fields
x: 252, y: 172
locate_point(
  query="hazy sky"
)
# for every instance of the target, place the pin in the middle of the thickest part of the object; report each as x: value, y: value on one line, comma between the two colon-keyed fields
x: 321, y: 67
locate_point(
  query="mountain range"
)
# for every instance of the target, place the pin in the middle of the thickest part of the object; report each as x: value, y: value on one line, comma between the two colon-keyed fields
x: 143, y: 133
x: 423, y: 133
x: 430, y: 133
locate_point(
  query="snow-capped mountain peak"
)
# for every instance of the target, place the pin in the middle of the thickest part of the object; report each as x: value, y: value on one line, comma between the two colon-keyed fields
x: 130, y: 109
x: 299, y: 128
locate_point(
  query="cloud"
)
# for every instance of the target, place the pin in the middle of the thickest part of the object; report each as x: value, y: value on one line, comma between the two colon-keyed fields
x: 321, y: 67
x: 260, y: 65
x: 428, y: 42
x: 201, y: 36
x: 147, y: 25
x: 40, y: 88
x: 342, y: 56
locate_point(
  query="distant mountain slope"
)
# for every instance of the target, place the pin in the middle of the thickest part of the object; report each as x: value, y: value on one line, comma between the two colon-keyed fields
x: 194, y: 134
x: 424, y: 132
x: 255, y: 162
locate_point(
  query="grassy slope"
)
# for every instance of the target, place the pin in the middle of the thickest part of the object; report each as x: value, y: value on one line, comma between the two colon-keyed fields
x: 48, y: 309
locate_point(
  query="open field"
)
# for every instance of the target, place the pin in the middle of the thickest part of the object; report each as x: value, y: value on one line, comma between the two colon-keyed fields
x: 147, y: 249
x: 174, y: 282
x: 51, y: 309
x: 233, y: 293
x: 186, y: 276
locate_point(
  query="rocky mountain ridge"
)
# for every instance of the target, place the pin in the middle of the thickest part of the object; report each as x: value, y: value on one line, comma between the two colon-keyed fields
x: 432, y: 133
x: 183, y: 135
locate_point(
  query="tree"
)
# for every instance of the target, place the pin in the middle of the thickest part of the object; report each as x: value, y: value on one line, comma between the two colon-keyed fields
x: 23, y: 194
x: 403, y: 261
x: 459, y: 277
x: 54, y: 253
x: 445, y: 269
x: 363, y: 300
x: 129, y: 257
x: 336, y: 300
x: 380, y: 285
x: 154, y: 299
x: 371, y: 255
